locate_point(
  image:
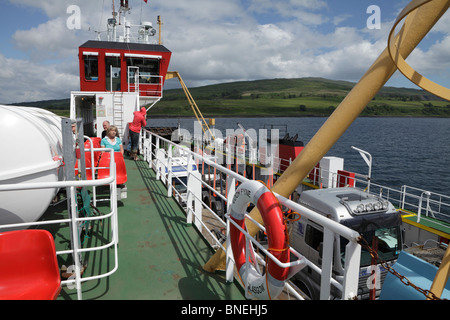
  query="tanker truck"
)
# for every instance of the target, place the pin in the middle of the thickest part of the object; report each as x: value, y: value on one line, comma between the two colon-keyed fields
x: 370, y: 215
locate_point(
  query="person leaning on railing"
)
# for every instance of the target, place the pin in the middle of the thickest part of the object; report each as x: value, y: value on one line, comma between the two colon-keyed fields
x: 139, y: 121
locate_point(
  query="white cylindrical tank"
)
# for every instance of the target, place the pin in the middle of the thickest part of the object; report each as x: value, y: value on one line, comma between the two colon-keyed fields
x: 30, y: 146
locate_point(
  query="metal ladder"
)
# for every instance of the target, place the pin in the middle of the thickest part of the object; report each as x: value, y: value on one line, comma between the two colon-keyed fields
x: 118, y: 111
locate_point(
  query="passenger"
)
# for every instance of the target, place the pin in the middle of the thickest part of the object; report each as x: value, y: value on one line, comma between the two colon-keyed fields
x: 106, y: 125
x: 74, y: 134
x: 112, y: 140
x: 139, y: 121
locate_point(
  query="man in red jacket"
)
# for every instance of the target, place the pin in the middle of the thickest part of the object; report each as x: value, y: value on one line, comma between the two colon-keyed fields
x: 135, y: 129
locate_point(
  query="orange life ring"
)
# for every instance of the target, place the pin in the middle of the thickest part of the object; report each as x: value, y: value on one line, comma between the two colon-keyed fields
x: 271, y: 284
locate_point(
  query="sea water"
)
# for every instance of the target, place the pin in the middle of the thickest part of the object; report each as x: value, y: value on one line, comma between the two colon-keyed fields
x: 405, y: 151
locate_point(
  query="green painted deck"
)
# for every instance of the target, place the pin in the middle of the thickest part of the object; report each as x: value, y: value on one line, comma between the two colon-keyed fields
x: 433, y: 225
x: 160, y: 255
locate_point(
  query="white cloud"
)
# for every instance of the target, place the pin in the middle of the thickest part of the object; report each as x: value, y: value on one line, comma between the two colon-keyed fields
x: 286, y: 8
x: 434, y: 62
x: 212, y: 41
x: 301, y: 10
x: 23, y: 80
x: 51, y: 40
x: 341, y: 18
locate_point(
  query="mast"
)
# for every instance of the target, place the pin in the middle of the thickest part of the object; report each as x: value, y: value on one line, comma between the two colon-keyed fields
x: 145, y: 31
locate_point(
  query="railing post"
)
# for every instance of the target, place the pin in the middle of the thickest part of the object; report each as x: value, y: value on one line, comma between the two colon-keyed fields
x: 150, y: 151
x: 169, y: 171
x: 141, y: 141
x: 403, y: 196
x: 113, y: 205
x: 69, y: 146
x: 229, y: 267
x: 352, y: 262
x: 229, y: 272
x: 158, y: 173
x: 327, y: 264
x: 146, y: 147
x: 75, y: 243
x: 428, y: 195
x: 189, y: 209
x: 419, y: 211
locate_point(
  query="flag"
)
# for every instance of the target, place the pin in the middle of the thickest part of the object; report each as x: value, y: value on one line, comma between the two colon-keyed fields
x: 145, y: 1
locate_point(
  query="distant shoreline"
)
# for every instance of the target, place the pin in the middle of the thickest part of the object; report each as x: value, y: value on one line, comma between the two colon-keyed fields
x: 282, y: 98
x: 277, y: 116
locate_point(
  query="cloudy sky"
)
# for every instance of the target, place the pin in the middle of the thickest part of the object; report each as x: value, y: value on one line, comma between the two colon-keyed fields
x: 212, y: 41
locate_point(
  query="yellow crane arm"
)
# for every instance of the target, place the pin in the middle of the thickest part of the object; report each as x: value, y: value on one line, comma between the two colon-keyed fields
x: 198, y: 114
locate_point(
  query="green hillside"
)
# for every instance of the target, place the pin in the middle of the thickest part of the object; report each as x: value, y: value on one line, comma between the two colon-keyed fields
x: 59, y: 107
x: 283, y: 97
x: 295, y: 97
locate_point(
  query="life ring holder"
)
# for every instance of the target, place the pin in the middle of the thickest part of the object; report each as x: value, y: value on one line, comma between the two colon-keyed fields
x: 271, y: 284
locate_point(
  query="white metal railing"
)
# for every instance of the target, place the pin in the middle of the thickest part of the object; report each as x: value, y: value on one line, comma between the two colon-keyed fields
x: 418, y: 201
x: 75, y: 220
x: 349, y: 285
x: 422, y: 202
x: 133, y: 79
x: 425, y: 203
x: 138, y: 82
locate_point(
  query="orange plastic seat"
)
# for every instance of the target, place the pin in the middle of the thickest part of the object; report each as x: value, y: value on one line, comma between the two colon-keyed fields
x: 28, y: 266
x: 121, y: 170
x: 104, y: 162
x: 88, y: 166
x: 96, y: 141
x: 95, y: 144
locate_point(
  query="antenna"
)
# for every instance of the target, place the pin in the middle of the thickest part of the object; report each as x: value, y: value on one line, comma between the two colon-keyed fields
x: 114, y: 13
x: 159, y: 24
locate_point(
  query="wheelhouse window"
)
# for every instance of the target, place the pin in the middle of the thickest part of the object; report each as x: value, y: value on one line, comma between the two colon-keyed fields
x: 90, y: 66
x: 148, y: 70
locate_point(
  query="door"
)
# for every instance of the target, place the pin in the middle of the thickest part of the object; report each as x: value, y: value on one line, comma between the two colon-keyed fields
x: 112, y: 64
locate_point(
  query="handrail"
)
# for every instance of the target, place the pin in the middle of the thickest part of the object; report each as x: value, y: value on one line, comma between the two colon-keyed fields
x: 135, y: 85
x: 332, y: 229
x: 436, y: 203
x: 75, y: 220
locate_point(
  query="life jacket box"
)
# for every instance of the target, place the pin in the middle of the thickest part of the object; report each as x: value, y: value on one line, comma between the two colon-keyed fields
x: 329, y: 167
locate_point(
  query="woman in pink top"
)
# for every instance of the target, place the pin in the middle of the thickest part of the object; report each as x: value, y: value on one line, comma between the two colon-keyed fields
x: 134, y: 127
